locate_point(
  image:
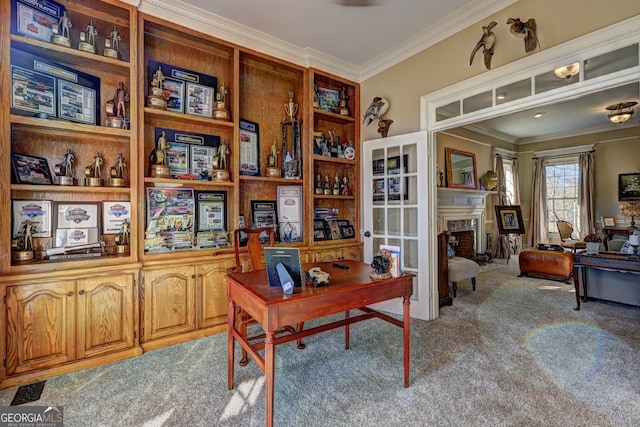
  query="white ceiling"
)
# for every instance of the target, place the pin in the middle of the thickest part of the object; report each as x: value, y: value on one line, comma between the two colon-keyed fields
x: 369, y: 36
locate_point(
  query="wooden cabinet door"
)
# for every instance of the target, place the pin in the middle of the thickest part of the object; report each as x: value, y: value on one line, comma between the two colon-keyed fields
x: 106, y: 314
x: 212, y: 294
x: 40, y: 325
x: 168, y: 301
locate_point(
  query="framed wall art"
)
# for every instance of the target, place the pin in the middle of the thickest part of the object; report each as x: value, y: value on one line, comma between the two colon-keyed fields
x: 628, y: 187
x: 30, y: 169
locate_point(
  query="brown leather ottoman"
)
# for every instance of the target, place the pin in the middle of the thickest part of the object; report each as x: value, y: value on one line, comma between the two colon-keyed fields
x: 544, y: 264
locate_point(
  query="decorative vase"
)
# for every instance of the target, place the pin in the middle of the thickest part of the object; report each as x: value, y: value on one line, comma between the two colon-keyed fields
x: 593, y: 248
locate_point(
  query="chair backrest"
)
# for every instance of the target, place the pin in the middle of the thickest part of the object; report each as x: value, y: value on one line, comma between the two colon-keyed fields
x: 254, y: 247
x: 565, y: 229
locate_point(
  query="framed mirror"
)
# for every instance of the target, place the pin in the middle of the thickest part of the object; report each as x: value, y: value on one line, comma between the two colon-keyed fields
x: 461, y: 169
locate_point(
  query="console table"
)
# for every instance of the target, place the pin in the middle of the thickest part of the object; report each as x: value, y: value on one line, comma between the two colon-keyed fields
x: 609, y: 232
x: 611, y: 261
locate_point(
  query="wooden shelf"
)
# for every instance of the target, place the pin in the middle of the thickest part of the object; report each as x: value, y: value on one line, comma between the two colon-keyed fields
x: 272, y: 179
x: 187, y: 118
x: 170, y: 182
x: 332, y: 117
x: 319, y: 158
x: 68, y: 55
x: 35, y: 124
x: 70, y: 189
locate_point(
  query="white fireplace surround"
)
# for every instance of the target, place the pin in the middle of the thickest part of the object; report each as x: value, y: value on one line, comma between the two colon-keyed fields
x: 460, y: 204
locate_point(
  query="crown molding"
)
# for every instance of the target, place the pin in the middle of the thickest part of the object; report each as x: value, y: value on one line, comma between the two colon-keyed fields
x: 441, y: 30
x: 233, y: 32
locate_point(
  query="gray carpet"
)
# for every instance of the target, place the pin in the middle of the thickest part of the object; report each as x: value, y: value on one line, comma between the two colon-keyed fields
x: 513, y: 353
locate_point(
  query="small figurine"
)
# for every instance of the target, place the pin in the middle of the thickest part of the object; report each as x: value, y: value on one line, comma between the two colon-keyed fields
x: 65, y: 24
x: 273, y: 157
x: 159, y: 154
x: 97, y: 165
x: 223, y: 154
x: 120, y: 165
x: 115, y: 38
x: 344, y: 188
x: 119, y: 98
x: 336, y: 185
x: 158, y: 78
x: 27, y: 232
x: 291, y: 108
x: 318, y: 184
x: 155, y: 98
x: 91, y: 33
x: 123, y: 237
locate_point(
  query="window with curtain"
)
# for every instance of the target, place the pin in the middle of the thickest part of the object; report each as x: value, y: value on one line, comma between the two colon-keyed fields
x: 563, y: 190
x: 509, y: 183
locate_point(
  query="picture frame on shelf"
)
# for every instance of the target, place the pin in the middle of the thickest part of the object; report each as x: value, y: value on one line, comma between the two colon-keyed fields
x: 329, y: 99
x: 174, y: 94
x: 332, y: 229
x: 249, y: 148
x: 509, y: 219
x: 29, y: 169
x: 35, y: 19
x: 608, y: 221
x: 211, y: 210
x: 114, y: 213
x: 178, y: 159
x: 390, y: 187
x: 38, y: 212
x: 347, y: 231
x: 76, y: 223
x: 318, y: 230
x: 264, y: 213
x: 172, y: 210
x: 628, y: 187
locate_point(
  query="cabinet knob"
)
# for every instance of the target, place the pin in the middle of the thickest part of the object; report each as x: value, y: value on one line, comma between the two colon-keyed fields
x: 81, y: 292
x: 69, y: 294
x: 367, y: 234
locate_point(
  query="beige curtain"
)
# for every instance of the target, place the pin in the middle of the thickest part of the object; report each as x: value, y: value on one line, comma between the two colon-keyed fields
x: 499, y: 242
x: 586, y: 195
x: 516, y: 197
x: 538, y: 218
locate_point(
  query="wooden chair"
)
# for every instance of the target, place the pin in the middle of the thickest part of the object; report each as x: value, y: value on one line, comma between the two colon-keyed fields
x: 254, y: 249
x: 567, y: 241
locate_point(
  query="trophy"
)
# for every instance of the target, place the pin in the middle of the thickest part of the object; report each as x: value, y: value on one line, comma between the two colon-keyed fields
x: 93, y: 176
x: 111, y: 44
x: 156, y: 98
x: 64, y: 171
x: 118, y: 178
x: 122, y: 238
x: 158, y: 158
x: 116, y: 109
x: 336, y: 186
x: 272, y: 162
x: 87, y: 41
x: 60, y: 31
x: 22, y: 247
x: 291, y: 108
x: 220, y: 111
x: 220, y: 172
x: 342, y: 105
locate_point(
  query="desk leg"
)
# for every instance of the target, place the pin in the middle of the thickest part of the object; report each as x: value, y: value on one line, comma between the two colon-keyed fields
x: 231, y: 342
x: 346, y: 331
x: 576, y: 284
x: 406, y: 335
x: 269, y: 371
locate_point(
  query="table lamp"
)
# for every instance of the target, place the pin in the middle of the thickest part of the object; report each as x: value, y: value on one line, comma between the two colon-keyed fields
x: 631, y: 210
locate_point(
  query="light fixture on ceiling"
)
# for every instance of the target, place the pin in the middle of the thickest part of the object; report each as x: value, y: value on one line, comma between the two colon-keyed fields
x: 501, y: 95
x: 538, y: 114
x: 567, y: 71
x: 621, y: 112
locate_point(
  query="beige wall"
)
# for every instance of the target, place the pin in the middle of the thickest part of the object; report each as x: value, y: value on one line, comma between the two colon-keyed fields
x: 447, y: 63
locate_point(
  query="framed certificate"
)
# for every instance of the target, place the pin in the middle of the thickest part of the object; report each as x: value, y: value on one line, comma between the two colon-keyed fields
x: 76, y: 223
x: 249, y: 148
x: 114, y: 214
x: 38, y: 212
x: 211, y: 210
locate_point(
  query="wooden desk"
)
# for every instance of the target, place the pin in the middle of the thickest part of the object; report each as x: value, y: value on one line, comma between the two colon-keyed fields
x: 348, y: 289
x: 613, y: 261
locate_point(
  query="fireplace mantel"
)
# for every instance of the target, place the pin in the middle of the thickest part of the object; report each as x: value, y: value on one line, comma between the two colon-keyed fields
x: 458, y: 204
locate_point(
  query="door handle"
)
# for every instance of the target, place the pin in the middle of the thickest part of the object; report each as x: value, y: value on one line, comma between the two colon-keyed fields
x: 367, y: 234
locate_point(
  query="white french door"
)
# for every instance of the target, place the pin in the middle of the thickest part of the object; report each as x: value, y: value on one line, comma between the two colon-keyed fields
x: 395, y: 173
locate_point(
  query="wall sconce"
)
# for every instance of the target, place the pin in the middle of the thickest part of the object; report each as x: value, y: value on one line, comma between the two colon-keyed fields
x: 567, y: 71
x: 621, y: 112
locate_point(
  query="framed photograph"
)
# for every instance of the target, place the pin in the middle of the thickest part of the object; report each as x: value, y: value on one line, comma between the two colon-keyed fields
x: 509, y: 219
x: 343, y: 222
x: 77, y: 103
x: 393, y: 188
x: 319, y: 234
x: 628, y: 186
x: 332, y: 229
x: 178, y: 159
x: 32, y: 91
x: 200, y: 100
x: 35, y: 19
x: 211, y: 211
x: 202, y: 161
x: 264, y: 214
x: 30, y: 169
x: 608, y: 221
x: 329, y: 99
x: 171, y: 215
x: 113, y: 215
x: 347, y: 231
x: 174, y: 94
x: 38, y: 212
x: 76, y: 223
x: 249, y: 148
